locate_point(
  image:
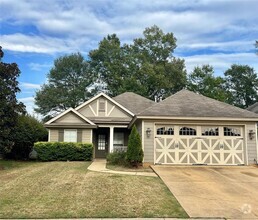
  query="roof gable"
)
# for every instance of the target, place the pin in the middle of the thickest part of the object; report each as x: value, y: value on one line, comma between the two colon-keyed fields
x: 189, y: 104
x: 134, y: 102
x: 102, y: 108
x: 70, y: 116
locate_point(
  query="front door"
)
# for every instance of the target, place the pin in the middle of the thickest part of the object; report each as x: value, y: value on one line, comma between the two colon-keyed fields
x: 102, y: 145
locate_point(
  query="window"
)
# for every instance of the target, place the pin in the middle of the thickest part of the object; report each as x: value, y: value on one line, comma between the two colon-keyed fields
x: 168, y: 130
x: 70, y: 135
x: 118, y: 139
x: 101, y: 142
x: 231, y: 131
x: 210, y: 131
x: 187, y: 131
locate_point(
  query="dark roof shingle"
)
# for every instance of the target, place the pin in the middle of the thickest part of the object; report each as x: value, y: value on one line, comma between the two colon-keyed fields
x: 189, y: 104
x: 253, y: 108
x: 133, y: 102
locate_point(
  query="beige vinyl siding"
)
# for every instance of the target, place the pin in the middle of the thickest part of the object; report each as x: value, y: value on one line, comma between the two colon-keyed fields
x: 53, y: 135
x: 148, y: 142
x: 251, y: 144
x: 86, y: 135
x: 69, y: 118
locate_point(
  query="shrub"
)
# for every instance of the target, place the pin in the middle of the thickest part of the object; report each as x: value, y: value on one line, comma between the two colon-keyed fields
x: 62, y: 151
x: 27, y: 131
x: 117, y: 158
x: 134, y: 150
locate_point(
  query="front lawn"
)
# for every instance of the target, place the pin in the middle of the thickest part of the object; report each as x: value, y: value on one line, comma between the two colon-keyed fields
x: 128, y: 169
x: 68, y: 190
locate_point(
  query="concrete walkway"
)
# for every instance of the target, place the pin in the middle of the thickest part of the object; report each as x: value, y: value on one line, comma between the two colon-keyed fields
x: 99, y: 165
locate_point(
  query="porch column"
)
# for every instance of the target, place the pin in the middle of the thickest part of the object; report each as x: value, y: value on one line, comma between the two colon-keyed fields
x: 111, y: 139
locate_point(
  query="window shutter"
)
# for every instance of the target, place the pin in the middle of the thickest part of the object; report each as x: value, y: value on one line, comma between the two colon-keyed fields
x: 79, y: 135
x: 61, y: 135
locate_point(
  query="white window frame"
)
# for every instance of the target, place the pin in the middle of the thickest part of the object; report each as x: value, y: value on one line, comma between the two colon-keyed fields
x: 66, y: 138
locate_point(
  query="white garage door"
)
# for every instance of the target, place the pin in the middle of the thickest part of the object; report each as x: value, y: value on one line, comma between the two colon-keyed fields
x: 188, y: 144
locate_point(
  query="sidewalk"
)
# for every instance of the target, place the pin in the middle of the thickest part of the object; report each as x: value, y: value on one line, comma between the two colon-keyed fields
x: 99, y: 165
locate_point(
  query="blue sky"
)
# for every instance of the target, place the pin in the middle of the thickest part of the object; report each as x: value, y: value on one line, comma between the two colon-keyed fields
x: 35, y: 32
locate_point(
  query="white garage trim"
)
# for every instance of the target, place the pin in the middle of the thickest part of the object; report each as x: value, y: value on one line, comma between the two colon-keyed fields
x: 199, y: 144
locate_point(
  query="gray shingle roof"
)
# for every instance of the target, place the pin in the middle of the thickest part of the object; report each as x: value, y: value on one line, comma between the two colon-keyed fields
x: 253, y: 108
x: 133, y: 102
x: 189, y: 104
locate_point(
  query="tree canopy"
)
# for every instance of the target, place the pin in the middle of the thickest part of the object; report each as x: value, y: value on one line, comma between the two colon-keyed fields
x: 203, y: 81
x: 10, y: 107
x: 146, y: 67
x: 69, y: 84
x: 242, y: 85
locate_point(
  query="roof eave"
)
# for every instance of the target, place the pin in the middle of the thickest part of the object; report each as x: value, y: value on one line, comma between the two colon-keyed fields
x: 195, y: 118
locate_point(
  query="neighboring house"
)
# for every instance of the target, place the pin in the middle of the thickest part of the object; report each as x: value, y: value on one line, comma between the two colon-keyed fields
x: 253, y: 108
x: 185, y: 128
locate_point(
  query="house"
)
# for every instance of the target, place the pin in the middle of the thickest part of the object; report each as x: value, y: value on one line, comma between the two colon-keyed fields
x: 253, y: 108
x: 185, y: 128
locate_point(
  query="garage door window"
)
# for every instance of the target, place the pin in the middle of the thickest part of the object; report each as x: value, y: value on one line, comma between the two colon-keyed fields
x: 166, y: 130
x: 210, y: 131
x: 232, y: 131
x: 187, y: 131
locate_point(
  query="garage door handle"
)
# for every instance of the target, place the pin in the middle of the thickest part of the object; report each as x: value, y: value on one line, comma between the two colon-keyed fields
x: 221, y: 146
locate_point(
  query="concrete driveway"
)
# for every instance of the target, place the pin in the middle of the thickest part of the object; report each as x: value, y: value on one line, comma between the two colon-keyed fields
x: 229, y: 192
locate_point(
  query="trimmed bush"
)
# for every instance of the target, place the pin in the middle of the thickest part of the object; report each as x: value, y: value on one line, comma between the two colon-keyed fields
x: 134, y: 150
x: 63, y: 151
x: 117, y: 158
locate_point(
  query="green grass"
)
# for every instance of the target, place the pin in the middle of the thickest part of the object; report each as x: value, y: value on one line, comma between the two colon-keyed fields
x: 68, y: 190
x: 10, y: 164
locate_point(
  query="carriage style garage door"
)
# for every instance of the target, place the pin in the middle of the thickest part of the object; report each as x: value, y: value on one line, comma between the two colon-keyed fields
x: 188, y: 144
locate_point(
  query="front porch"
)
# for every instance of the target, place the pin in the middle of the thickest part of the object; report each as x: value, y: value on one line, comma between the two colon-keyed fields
x: 108, y: 139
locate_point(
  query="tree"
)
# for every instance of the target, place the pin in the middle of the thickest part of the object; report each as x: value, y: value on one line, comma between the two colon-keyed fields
x: 203, y: 81
x: 146, y: 67
x: 68, y: 85
x: 28, y: 130
x: 242, y: 84
x: 134, y: 154
x: 9, y: 105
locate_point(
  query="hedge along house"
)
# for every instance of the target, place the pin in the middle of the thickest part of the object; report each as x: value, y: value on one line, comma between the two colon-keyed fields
x: 185, y: 128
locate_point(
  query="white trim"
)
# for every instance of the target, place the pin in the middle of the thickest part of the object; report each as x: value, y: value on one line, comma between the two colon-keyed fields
x: 113, y: 107
x: 48, y: 135
x: 197, y: 118
x: 94, y: 113
x: 106, y: 104
x: 111, y: 139
x: 91, y: 135
x: 108, y: 126
x: 246, y: 150
x: 143, y: 138
x: 107, y: 97
x: 67, y: 111
x: 256, y: 134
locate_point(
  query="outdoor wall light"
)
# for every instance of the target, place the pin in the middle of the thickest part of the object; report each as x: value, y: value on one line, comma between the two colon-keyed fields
x: 148, y: 132
x: 251, y: 134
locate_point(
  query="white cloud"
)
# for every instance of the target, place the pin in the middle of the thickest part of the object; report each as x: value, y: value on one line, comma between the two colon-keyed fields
x: 25, y: 85
x: 29, y: 103
x: 221, y: 61
x: 39, y: 66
